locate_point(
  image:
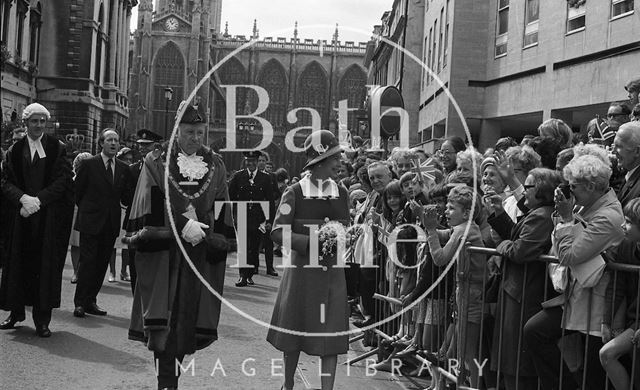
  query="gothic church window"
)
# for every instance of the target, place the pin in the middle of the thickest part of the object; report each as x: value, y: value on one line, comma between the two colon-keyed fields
x: 168, y: 71
x: 272, y: 78
x: 352, y: 87
x: 312, y: 93
x: 232, y: 72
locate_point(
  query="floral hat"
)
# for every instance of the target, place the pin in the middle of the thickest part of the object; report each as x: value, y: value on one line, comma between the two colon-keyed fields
x: 319, y: 146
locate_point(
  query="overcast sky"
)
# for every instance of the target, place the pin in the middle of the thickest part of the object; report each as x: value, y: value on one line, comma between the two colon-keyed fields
x: 274, y: 15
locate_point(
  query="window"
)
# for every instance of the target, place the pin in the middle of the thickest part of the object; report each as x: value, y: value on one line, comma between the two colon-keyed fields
x: 434, y: 47
x: 502, y: 27
x: 531, y: 18
x: 34, y: 34
x: 621, y: 7
x: 21, y: 12
x: 6, y: 9
x: 428, y: 58
x: 446, y: 38
x: 576, y: 18
x: 425, y: 50
x: 441, y: 33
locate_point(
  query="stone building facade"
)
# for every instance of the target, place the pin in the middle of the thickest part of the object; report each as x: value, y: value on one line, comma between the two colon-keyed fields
x: 82, y: 61
x: 295, y: 73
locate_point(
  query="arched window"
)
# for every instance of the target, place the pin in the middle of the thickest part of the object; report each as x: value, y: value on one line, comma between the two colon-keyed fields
x: 21, y: 14
x: 312, y: 93
x: 273, y: 78
x: 35, y: 22
x: 98, y: 48
x: 168, y: 71
x: 352, y: 87
x: 233, y: 72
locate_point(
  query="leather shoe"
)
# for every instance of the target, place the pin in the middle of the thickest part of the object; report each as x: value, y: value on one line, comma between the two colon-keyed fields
x: 78, y: 312
x: 272, y: 273
x: 95, y: 310
x: 368, y: 320
x: 242, y: 282
x: 10, y: 322
x: 43, y: 331
x: 250, y: 281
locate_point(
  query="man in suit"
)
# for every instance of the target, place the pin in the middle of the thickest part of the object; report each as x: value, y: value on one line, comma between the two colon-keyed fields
x: 251, y: 184
x: 102, y: 184
x: 36, y: 184
x: 626, y: 147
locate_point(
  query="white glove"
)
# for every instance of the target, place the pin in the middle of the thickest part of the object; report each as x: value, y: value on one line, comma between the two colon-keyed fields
x: 193, y: 232
x: 24, y: 213
x: 30, y: 203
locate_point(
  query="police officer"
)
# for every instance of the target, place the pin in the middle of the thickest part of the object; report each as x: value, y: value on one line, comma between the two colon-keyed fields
x: 251, y: 184
x: 147, y: 140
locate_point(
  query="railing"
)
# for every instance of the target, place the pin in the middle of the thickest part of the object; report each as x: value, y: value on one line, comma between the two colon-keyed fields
x: 577, y: 368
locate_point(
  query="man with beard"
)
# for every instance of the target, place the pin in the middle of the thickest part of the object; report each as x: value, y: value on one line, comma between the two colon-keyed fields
x: 36, y: 182
x: 173, y: 312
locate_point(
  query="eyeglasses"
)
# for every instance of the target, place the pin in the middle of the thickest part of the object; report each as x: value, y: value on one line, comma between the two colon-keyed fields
x: 448, y: 153
x: 528, y: 186
x: 615, y: 114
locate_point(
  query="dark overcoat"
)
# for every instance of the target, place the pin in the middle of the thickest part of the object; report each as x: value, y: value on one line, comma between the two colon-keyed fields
x: 523, y: 285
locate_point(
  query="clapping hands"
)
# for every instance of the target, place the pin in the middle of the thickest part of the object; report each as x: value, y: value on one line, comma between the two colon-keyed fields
x: 430, y: 217
x: 493, y: 202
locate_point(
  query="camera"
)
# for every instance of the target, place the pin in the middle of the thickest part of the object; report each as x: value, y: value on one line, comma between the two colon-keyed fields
x: 566, y: 190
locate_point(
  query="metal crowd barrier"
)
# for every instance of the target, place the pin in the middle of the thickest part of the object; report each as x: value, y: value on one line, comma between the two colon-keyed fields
x: 442, y: 334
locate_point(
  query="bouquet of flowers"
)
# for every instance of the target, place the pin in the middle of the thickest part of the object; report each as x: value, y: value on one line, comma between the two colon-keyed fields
x: 329, y: 234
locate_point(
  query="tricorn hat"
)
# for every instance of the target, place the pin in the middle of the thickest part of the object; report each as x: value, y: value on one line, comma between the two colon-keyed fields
x: 319, y: 146
x: 191, y: 114
x: 146, y: 136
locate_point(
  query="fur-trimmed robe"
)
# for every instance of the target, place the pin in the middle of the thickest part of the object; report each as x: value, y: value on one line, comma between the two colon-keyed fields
x: 166, y: 286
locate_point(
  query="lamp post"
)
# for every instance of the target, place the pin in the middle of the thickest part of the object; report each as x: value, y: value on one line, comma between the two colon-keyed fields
x: 168, y: 94
x: 245, y: 129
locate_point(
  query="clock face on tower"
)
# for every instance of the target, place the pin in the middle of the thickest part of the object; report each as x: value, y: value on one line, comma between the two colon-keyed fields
x: 171, y: 24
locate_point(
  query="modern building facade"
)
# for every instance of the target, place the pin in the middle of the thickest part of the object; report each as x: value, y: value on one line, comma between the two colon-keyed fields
x: 511, y: 64
x: 71, y: 56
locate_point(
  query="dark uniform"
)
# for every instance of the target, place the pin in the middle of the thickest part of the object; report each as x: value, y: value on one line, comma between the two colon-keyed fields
x: 257, y: 187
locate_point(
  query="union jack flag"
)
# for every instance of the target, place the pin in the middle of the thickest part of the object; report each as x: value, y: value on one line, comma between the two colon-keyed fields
x: 424, y: 169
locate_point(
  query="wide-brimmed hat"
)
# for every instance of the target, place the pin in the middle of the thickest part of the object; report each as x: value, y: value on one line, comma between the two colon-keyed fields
x: 319, y: 146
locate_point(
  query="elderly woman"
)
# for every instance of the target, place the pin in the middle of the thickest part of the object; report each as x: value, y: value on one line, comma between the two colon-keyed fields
x: 400, y: 159
x: 311, y: 299
x: 579, y: 240
x: 523, y: 276
x: 556, y: 128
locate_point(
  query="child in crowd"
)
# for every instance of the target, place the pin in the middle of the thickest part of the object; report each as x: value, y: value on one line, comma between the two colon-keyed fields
x: 618, y: 336
x: 470, y: 272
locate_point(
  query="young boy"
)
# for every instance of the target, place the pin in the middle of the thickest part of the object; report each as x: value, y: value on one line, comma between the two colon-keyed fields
x: 470, y: 269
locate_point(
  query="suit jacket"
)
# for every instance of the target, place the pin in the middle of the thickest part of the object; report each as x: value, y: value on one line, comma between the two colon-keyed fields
x: 630, y: 189
x: 98, y: 199
x: 241, y: 189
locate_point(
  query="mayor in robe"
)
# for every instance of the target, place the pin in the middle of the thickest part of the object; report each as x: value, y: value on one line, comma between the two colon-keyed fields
x: 173, y: 312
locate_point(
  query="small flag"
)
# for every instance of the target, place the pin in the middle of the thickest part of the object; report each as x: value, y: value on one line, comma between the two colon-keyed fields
x: 423, y: 170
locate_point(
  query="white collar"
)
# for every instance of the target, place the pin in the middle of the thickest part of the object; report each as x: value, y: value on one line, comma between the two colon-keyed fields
x: 252, y: 174
x: 36, y: 145
x: 311, y: 190
x: 106, y: 158
x: 628, y: 175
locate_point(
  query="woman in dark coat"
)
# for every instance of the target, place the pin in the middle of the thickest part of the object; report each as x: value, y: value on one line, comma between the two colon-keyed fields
x: 311, y: 300
x: 523, y: 277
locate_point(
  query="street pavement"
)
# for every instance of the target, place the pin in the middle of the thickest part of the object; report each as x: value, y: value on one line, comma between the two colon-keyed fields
x: 94, y: 352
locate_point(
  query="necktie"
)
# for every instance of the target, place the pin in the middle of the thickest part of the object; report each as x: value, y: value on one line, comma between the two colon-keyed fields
x: 109, y: 170
x: 36, y: 157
